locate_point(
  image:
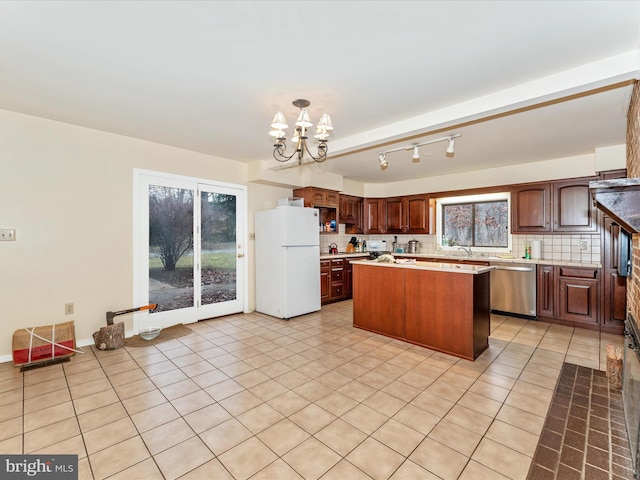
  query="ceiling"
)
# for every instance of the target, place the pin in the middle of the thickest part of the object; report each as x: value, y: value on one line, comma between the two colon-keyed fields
x: 522, y: 81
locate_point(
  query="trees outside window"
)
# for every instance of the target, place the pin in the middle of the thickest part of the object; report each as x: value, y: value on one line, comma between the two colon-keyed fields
x: 476, y: 224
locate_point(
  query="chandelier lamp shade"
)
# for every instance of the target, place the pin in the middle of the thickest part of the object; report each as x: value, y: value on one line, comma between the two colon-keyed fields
x: 300, y: 135
x: 450, y: 152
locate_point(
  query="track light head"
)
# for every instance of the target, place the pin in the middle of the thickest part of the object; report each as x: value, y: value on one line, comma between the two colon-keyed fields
x: 383, y: 162
x: 451, y: 149
x: 416, y: 154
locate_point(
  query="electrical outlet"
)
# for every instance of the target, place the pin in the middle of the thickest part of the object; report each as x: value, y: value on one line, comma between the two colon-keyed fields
x: 583, y: 245
x: 7, y: 234
x: 68, y: 308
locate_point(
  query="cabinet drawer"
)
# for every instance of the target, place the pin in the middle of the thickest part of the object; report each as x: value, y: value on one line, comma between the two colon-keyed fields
x: 579, y: 272
x: 325, y: 265
x: 336, y: 263
x: 337, y: 274
x: 336, y: 291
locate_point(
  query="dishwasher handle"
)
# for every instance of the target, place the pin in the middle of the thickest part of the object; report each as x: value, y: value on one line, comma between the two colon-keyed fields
x: 514, y: 269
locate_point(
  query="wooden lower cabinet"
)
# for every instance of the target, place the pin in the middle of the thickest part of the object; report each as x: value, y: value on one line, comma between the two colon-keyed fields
x: 456, y: 323
x: 348, y: 279
x: 325, y: 280
x: 335, y: 280
x: 569, y: 295
x: 376, y: 300
x: 448, y: 312
x: 578, y: 301
x: 546, y: 291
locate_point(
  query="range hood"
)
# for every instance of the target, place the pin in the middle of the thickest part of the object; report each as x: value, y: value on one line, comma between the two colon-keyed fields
x: 620, y: 199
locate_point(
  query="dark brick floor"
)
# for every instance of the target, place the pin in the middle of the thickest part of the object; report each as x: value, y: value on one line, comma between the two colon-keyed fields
x: 584, y: 435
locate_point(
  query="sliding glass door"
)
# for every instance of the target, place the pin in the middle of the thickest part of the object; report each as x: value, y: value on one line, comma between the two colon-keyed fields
x: 190, y: 249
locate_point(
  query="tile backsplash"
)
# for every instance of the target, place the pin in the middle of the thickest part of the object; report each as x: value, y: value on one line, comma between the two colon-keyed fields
x: 583, y: 248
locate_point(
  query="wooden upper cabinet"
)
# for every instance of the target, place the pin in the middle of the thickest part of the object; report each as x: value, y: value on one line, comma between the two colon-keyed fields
x: 350, y: 209
x: 331, y: 198
x: 562, y: 206
x: 374, y: 215
x: 318, y: 197
x: 395, y: 215
x: 418, y: 214
x: 407, y: 214
x: 531, y: 208
x: 573, y: 208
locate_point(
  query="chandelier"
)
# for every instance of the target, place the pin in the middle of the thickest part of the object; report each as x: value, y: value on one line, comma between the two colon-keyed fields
x: 300, y: 132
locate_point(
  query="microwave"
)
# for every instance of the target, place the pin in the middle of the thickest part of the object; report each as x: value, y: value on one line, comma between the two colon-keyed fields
x: 377, y: 246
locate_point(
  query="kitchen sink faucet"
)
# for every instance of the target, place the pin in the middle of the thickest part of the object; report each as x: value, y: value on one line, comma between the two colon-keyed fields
x: 466, y: 249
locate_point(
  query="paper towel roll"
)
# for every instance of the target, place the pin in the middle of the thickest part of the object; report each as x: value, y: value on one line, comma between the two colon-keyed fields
x: 536, y: 249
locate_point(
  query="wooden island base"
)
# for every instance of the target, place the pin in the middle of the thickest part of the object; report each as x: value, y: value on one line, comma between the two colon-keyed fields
x: 442, y: 309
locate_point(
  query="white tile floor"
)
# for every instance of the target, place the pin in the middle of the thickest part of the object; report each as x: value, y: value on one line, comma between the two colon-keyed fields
x: 250, y: 396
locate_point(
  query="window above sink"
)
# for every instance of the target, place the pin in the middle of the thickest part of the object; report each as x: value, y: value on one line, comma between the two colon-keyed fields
x: 474, y: 223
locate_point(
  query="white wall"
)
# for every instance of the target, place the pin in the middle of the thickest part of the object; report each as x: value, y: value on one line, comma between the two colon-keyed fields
x: 68, y: 193
x: 580, y: 166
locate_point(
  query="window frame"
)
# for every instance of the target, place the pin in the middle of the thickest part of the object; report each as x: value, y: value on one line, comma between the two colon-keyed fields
x: 473, y: 199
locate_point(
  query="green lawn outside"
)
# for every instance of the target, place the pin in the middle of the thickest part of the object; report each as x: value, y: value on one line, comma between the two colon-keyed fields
x: 222, y: 261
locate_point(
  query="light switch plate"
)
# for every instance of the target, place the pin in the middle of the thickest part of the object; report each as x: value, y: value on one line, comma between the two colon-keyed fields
x: 7, y: 234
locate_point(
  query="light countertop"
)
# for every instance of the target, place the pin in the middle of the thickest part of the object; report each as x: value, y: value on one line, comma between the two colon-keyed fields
x: 325, y: 256
x: 497, y: 258
x: 434, y: 266
x: 478, y: 258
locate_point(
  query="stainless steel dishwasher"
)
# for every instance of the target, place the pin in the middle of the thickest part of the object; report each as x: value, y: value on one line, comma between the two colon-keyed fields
x: 513, y: 289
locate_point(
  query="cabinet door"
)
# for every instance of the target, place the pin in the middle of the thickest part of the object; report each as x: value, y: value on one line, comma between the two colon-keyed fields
x: 348, y: 279
x: 325, y: 280
x: 614, y: 305
x: 573, y: 208
x: 351, y: 210
x: 318, y: 198
x: 358, y: 226
x: 331, y: 198
x: 531, y: 208
x: 578, y: 299
x: 395, y: 215
x: 374, y: 215
x: 417, y: 207
x: 346, y: 209
x: 546, y: 291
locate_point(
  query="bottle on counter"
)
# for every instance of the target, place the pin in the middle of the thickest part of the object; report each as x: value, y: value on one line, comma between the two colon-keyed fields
x: 364, y: 246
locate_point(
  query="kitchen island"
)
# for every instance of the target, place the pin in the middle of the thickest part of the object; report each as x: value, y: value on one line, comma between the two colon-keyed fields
x: 441, y: 306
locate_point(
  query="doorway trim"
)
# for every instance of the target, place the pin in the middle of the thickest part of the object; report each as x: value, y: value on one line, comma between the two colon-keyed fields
x: 138, y: 236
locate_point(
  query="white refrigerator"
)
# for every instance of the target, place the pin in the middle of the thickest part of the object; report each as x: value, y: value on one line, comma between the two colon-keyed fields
x: 287, y: 253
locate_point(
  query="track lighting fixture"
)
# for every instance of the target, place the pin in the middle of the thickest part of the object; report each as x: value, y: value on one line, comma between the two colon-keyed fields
x: 416, y: 153
x: 383, y: 162
x: 451, y: 148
